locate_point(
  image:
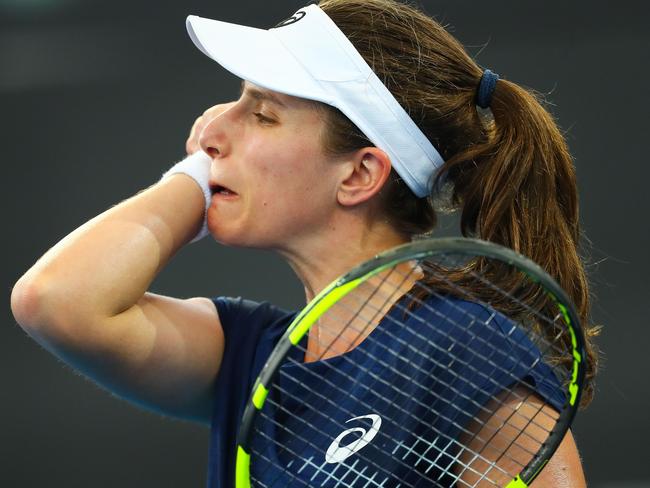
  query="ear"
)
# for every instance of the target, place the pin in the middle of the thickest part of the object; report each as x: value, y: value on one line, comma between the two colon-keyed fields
x: 366, y: 175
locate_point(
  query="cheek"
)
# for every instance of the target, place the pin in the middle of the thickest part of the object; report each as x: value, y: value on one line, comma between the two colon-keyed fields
x: 291, y: 170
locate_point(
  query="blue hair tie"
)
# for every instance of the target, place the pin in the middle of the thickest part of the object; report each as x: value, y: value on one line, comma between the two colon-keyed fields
x: 486, y: 88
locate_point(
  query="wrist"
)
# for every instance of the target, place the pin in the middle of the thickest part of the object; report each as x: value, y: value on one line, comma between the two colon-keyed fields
x: 197, y: 167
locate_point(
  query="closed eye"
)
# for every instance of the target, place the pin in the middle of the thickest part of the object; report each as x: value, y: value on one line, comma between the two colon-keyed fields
x: 263, y: 119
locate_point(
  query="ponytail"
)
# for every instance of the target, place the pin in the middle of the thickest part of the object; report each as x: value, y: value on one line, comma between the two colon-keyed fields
x: 517, y: 188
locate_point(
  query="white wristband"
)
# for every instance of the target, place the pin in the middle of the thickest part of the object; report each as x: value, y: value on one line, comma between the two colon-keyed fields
x: 197, y: 167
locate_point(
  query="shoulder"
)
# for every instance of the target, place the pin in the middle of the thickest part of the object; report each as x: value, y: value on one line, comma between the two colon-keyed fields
x: 486, y: 344
x: 251, y: 320
x: 242, y: 311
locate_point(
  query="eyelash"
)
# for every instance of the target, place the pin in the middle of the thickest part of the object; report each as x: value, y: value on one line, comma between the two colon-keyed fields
x: 263, y: 119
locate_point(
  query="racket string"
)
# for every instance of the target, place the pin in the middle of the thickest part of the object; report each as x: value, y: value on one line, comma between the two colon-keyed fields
x: 530, y: 420
x: 505, y: 421
x: 442, y: 316
x: 296, y: 435
x: 376, y: 313
x: 475, y: 298
x: 285, y: 447
x: 438, y: 348
x: 325, y: 351
x: 370, y: 389
x: 432, y: 463
x: 324, y: 398
x: 492, y: 398
x: 368, y: 323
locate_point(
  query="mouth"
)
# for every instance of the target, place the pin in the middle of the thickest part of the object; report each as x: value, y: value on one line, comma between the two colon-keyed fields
x: 222, y: 190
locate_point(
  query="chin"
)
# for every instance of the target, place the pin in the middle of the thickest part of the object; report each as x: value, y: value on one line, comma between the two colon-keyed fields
x: 222, y: 236
x: 234, y: 237
x: 243, y: 233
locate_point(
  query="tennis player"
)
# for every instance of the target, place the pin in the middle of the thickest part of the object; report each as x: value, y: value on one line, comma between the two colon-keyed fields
x: 356, y: 118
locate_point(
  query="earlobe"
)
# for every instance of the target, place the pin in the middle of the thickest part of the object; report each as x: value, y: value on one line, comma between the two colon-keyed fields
x: 366, y: 177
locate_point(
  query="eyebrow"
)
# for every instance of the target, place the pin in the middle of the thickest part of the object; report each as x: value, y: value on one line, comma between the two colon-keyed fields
x: 261, y: 95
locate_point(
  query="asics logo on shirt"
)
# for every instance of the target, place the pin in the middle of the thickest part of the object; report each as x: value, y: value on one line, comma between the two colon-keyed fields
x: 337, y: 454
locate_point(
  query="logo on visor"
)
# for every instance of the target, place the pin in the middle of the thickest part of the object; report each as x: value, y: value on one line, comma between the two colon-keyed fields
x: 291, y: 20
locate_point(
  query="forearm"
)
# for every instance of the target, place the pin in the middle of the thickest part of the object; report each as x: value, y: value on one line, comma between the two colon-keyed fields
x: 105, y: 266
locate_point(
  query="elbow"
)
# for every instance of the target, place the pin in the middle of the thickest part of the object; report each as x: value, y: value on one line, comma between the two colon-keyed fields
x: 28, y: 298
x: 51, y: 315
x: 37, y: 305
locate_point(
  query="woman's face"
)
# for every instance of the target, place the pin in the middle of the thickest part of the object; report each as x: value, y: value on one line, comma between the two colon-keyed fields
x: 271, y: 181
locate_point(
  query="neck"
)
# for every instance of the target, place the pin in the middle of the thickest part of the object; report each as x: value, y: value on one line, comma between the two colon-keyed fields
x: 320, y: 258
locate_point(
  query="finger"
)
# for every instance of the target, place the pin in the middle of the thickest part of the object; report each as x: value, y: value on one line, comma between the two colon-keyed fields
x: 192, y: 143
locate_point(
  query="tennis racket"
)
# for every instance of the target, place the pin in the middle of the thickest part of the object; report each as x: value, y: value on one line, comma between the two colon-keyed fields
x: 443, y: 362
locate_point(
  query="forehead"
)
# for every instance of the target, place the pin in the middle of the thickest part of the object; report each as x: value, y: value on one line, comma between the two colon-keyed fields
x: 279, y: 99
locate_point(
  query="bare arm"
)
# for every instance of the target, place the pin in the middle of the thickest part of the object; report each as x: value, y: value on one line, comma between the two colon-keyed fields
x: 526, y: 427
x: 85, y: 300
x: 564, y: 470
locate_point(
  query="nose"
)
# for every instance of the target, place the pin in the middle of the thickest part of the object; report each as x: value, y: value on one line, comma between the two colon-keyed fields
x: 214, y: 136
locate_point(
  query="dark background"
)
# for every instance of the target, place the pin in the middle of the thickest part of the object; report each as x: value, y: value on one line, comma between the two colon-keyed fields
x: 96, y: 100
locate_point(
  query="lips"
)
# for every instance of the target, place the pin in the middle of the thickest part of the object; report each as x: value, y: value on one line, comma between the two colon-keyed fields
x: 219, y: 189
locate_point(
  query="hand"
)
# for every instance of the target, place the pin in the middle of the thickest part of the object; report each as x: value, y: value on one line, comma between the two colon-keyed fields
x: 192, y: 144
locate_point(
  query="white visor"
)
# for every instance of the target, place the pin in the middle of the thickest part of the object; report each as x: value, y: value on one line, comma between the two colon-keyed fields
x: 307, y: 56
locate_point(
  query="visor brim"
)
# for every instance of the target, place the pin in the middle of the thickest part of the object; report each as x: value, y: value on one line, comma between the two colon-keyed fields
x: 255, y: 55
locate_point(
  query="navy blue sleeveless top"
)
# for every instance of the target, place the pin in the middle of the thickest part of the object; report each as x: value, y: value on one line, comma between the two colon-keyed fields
x: 400, y: 429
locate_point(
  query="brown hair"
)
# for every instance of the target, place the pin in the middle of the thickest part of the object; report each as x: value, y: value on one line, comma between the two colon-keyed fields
x: 510, y: 174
